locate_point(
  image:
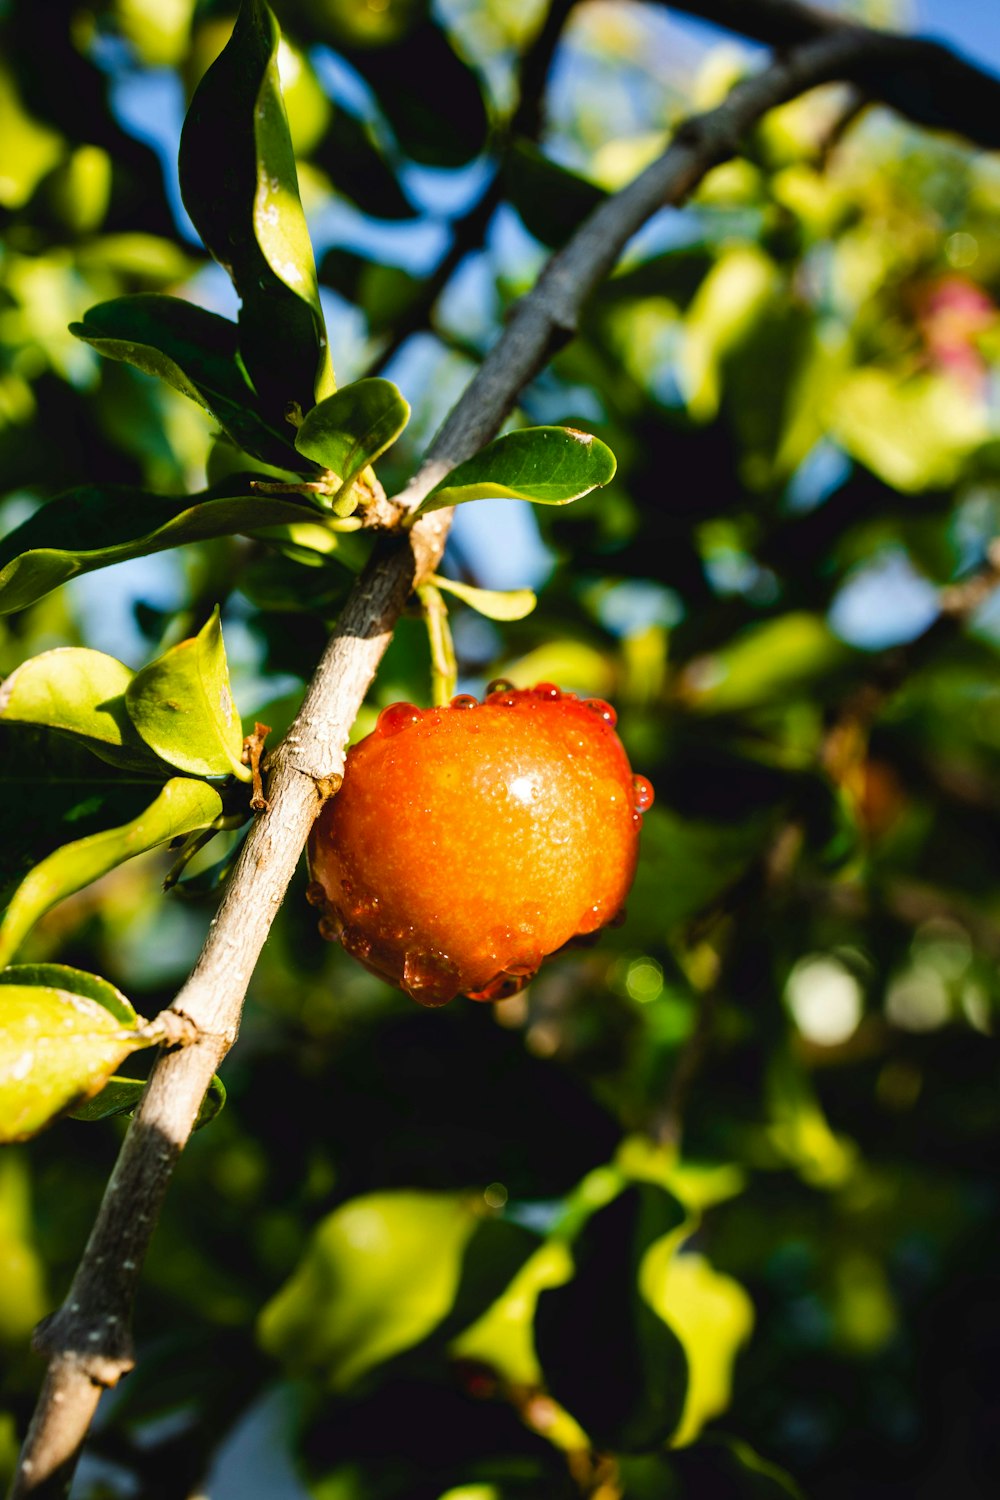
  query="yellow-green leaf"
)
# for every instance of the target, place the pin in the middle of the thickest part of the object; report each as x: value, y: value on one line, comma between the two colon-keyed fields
x: 56, y: 1048
x: 182, y: 707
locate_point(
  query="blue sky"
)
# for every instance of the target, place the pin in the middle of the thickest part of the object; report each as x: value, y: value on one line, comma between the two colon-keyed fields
x: 972, y: 26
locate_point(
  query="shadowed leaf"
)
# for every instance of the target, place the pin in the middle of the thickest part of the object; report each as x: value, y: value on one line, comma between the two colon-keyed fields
x: 99, y: 525
x: 194, y: 351
x: 607, y: 1357
x: 182, y: 806
x: 240, y: 186
x: 120, y: 1096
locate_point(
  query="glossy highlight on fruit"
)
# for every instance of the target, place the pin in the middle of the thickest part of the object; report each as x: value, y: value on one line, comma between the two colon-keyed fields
x: 469, y: 842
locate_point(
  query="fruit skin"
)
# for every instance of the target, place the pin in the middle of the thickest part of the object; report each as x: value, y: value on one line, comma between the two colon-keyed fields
x: 469, y: 842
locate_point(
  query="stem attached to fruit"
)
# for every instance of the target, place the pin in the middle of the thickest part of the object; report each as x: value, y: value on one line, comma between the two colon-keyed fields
x: 88, y: 1340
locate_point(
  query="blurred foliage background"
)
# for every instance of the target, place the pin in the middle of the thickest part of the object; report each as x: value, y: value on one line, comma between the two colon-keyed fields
x: 786, y: 1058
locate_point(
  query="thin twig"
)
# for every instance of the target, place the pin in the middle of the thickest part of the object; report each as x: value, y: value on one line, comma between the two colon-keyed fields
x: 88, y: 1340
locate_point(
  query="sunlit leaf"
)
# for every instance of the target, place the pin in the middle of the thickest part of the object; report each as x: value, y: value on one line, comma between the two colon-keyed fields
x: 182, y: 806
x: 495, y: 604
x: 712, y: 1316
x: 23, y: 1296
x: 182, y: 706
x: 379, y: 1274
x: 607, y: 1356
x: 913, y: 433
x: 120, y: 1096
x: 56, y: 1047
x: 350, y: 429
x: 74, y: 982
x: 31, y: 147
x: 791, y: 653
x: 726, y: 307
x: 99, y: 525
x: 549, y: 465
x: 80, y: 693
x: 194, y: 351
x: 240, y: 186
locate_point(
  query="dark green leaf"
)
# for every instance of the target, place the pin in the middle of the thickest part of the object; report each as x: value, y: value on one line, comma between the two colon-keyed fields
x: 54, y: 790
x: 551, y: 201
x: 431, y: 99
x: 182, y: 707
x: 549, y: 465
x: 607, y: 1357
x: 96, y: 526
x: 196, y: 352
x: 182, y: 806
x: 729, y: 1469
x: 56, y: 1047
x: 80, y: 693
x: 240, y: 186
x: 349, y: 430
x: 350, y: 154
x: 120, y: 1096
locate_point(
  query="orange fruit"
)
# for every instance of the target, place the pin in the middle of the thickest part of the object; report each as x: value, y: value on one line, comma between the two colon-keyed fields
x: 469, y: 842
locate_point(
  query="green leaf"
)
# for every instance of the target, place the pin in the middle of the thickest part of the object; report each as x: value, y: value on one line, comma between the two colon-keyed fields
x: 379, y: 1275
x: 182, y: 706
x: 54, y: 790
x: 495, y: 604
x: 607, y: 1356
x: 240, y: 186
x: 74, y: 982
x: 349, y: 430
x: 722, y: 1465
x: 194, y: 351
x: 182, y: 806
x: 915, y: 434
x: 551, y: 201
x: 549, y: 465
x: 80, y: 693
x: 120, y: 1096
x: 57, y: 1046
x: 791, y: 654
x: 430, y: 97
x: 712, y: 1316
x: 98, y: 525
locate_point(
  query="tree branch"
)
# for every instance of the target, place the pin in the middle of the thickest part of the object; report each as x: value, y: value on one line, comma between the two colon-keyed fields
x: 88, y: 1340
x: 922, y: 79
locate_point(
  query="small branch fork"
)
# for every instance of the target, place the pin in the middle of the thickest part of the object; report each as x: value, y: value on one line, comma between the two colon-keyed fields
x: 88, y: 1340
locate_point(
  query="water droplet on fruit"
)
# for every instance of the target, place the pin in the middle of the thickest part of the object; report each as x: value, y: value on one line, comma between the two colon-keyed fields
x: 315, y: 894
x: 602, y: 710
x: 429, y: 978
x: 357, y: 943
x: 500, y: 987
x: 642, y: 791
x: 523, y: 965
x: 330, y: 928
x: 464, y: 700
x: 547, y: 690
x: 397, y: 717
x: 499, y: 685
